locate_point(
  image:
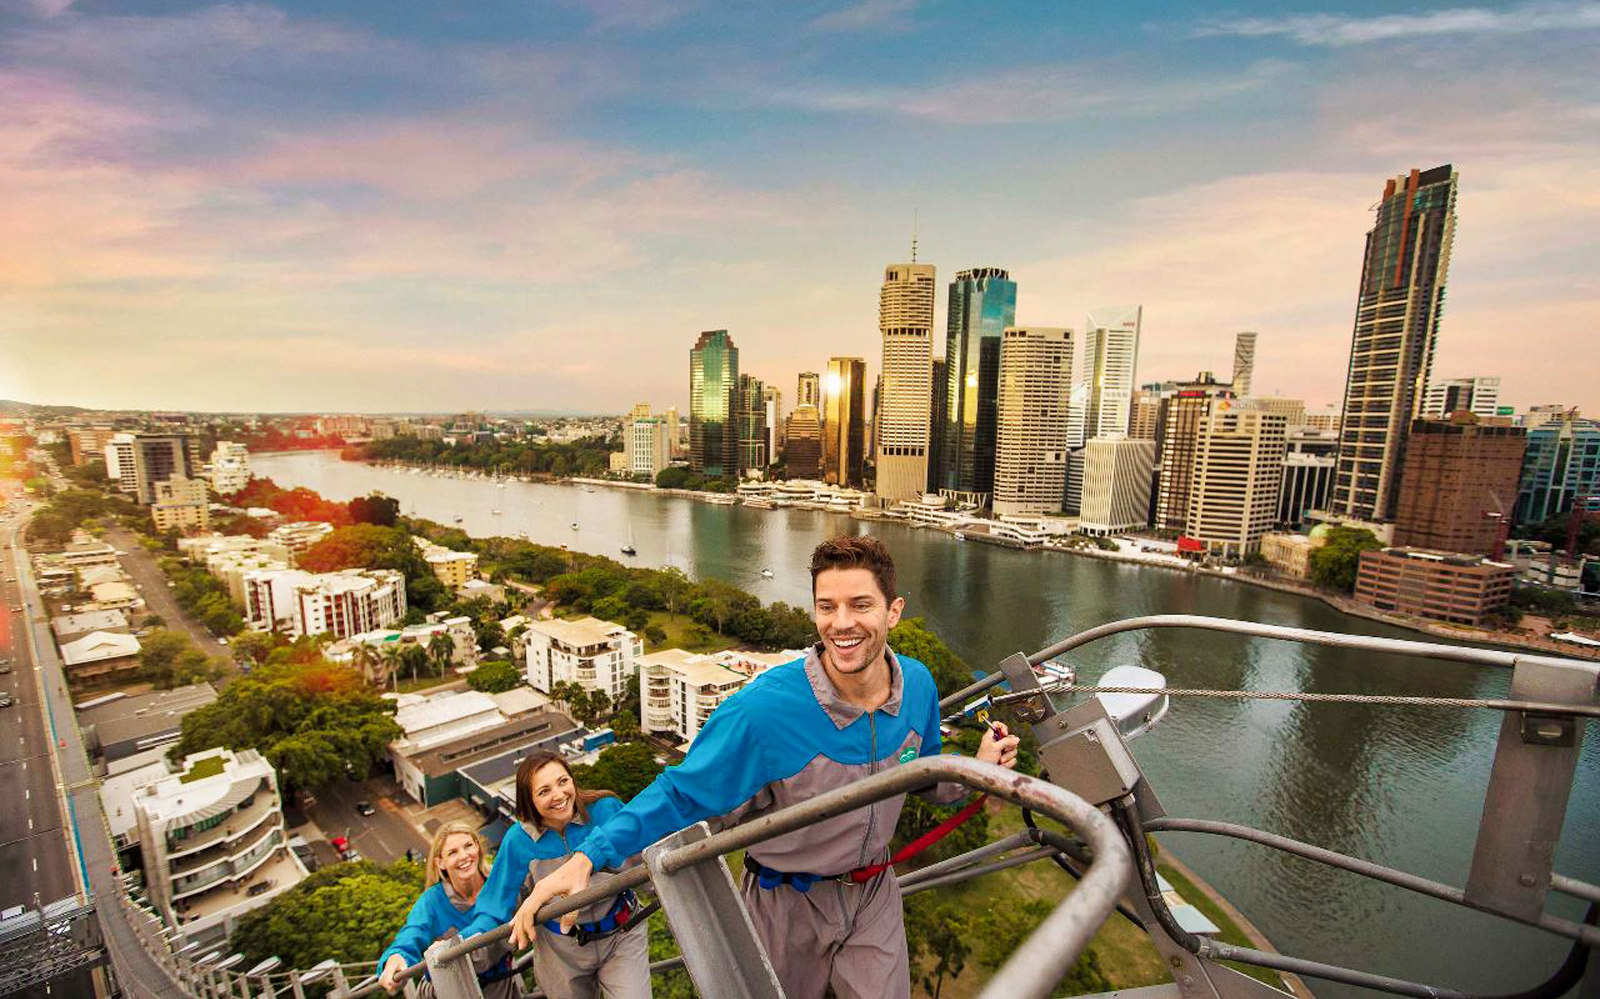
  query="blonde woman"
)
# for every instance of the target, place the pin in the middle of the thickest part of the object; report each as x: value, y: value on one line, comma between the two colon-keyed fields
x: 608, y: 950
x: 458, y: 865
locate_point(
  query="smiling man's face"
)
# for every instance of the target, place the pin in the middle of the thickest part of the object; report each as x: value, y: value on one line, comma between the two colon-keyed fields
x: 853, y: 618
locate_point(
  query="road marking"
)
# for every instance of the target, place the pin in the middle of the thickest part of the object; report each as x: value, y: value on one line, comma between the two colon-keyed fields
x: 30, y: 823
x: 27, y: 793
x: 36, y: 865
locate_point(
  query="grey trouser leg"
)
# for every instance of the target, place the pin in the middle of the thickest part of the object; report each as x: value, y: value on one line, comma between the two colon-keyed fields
x: 852, y: 937
x: 619, y: 964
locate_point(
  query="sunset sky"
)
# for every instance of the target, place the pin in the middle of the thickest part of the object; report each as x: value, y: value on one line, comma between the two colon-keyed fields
x: 538, y: 204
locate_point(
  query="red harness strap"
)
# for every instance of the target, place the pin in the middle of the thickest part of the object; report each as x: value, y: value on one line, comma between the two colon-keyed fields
x: 862, y: 875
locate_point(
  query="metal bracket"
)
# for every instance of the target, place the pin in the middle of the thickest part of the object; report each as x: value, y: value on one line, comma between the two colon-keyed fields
x: 1526, y: 803
x: 454, y: 978
x: 720, y: 948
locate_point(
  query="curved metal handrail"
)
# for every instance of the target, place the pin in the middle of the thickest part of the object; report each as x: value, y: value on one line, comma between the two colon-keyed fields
x: 1365, y: 643
x: 1036, y: 966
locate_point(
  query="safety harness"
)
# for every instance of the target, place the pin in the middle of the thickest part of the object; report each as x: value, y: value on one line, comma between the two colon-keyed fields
x: 769, y: 878
x: 624, y: 912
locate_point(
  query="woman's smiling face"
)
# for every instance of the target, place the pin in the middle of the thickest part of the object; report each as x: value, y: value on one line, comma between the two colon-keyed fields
x: 555, y: 797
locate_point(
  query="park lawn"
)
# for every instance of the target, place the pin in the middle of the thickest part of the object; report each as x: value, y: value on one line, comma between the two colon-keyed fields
x: 409, y: 686
x: 681, y: 632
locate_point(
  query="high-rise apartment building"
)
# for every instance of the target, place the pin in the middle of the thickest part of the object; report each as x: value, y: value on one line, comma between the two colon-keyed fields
x: 181, y: 505
x: 808, y: 389
x: 1459, y: 487
x: 983, y: 303
x: 122, y: 467
x: 88, y: 443
x: 136, y: 462
x: 713, y: 395
x: 1102, y: 399
x: 904, y: 420
x: 751, y: 420
x: 230, y: 467
x: 772, y: 401
x: 1561, y: 464
x: 1479, y: 395
x: 1238, y: 470
x: 646, y: 443
x: 1033, y: 399
x: 1116, y: 484
x: 802, y: 448
x: 1244, y: 363
x: 1398, y: 310
x: 844, y: 430
x: 1144, y: 412
x: 1176, y: 445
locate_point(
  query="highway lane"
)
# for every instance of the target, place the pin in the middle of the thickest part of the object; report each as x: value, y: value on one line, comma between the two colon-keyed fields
x: 35, y: 864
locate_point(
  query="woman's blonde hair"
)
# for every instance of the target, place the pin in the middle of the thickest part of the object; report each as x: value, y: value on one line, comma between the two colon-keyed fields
x: 437, y: 850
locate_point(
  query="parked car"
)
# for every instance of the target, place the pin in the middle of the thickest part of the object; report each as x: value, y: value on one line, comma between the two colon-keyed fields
x: 365, y: 808
x: 344, y: 849
x: 259, y: 888
x: 6, y: 701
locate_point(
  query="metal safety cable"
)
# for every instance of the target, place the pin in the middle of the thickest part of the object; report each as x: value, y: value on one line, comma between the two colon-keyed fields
x: 1541, y: 707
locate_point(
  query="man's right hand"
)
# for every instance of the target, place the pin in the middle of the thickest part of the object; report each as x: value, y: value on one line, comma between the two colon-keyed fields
x: 391, y: 968
x: 568, y: 879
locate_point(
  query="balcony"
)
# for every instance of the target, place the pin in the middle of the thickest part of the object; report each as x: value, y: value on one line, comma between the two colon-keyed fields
x: 228, y: 866
x: 279, y: 867
x: 197, y: 851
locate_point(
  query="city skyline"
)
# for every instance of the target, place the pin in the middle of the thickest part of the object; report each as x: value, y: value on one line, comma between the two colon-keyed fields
x: 372, y: 214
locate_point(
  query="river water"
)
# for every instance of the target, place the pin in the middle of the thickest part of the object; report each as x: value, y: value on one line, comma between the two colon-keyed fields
x: 1400, y: 786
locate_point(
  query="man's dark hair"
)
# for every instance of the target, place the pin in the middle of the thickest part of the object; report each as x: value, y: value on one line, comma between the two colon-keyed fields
x: 856, y: 551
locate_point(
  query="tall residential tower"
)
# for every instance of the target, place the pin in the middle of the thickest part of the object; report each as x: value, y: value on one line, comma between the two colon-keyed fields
x: 1398, y: 308
x: 905, y: 319
x: 983, y: 302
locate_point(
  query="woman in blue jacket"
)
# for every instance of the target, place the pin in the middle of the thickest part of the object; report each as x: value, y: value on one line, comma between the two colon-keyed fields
x: 609, y: 948
x: 458, y: 865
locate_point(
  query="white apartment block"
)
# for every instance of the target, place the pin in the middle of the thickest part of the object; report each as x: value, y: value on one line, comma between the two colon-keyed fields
x: 595, y: 654
x: 1238, y: 470
x: 181, y: 504
x: 121, y: 466
x: 905, y: 319
x: 340, y: 604
x: 299, y: 536
x: 1034, y: 404
x: 1105, y: 370
x: 452, y: 568
x: 212, y: 836
x: 1116, y: 484
x: 679, y: 689
x: 646, y: 442
x: 1479, y: 394
x: 230, y: 467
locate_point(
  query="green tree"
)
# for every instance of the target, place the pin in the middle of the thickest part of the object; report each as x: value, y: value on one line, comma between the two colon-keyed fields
x: 494, y: 677
x: 1334, y: 565
x: 920, y: 816
x: 169, y: 659
x: 911, y: 637
x: 252, y: 647
x: 938, y: 940
x: 349, y: 912
x: 624, y: 768
x: 311, y: 719
x: 625, y: 724
x: 441, y: 654
x: 999, y: 934
x: 370, y: 546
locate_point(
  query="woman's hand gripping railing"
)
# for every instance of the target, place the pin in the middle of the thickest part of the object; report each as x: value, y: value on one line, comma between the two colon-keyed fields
x: 1038, y: 964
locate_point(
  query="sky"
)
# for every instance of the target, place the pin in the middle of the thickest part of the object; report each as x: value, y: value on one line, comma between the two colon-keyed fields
x: 538, y: 204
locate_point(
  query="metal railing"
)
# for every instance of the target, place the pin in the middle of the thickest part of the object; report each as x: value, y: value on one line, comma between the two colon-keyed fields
x: 1104, y: 799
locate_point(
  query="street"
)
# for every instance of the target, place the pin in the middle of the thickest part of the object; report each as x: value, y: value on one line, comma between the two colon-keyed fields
x: 140, y: 565
x: 35, y: 866
x: 384, y: 836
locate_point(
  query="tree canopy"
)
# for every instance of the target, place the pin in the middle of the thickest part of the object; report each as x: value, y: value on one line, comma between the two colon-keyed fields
x: 624, y: 768
x: 1335, y: 564
x: 170, y: 659
x: 495, y: 677
x: 313, y: 720
x: 372, y: 546
x: 911, y: 637
x: 349, y: 912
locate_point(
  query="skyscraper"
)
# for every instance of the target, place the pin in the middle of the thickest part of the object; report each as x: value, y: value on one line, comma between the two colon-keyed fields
x: 844, y: 428
x: 713, y: 391
x: 1238, y: 471
x: 772, y: 396
x: 1398, y: 309
x: 1116, y: 484
x: 905, y: 319
x: 1177, y: 441
x: 1244, y: 363
x: 983, y: 302
x: 802, y: 449
x: 1035, y: 389
x: 808, y: 389
x: 1460, y: 485
x: 1102, y: 397
x: 1479, y: 395
x: 751, y: 419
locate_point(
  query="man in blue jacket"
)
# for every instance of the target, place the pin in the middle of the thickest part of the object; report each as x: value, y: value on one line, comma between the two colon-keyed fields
x: 850, y: 708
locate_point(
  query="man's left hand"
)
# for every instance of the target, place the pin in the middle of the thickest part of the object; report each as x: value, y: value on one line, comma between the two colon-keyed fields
x: 999, y: 746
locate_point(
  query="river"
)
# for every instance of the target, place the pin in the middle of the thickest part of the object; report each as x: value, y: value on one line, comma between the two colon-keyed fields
x: 1400, y: 786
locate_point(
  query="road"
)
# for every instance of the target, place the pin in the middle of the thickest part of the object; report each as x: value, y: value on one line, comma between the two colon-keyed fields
x: 140, y: 564
x: 35, y: 863
x: 384, y: 836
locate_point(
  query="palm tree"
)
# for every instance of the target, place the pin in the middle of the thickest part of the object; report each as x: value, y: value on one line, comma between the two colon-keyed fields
x: 389, y: 655
x: 441, y: 653
x: 366, y: 659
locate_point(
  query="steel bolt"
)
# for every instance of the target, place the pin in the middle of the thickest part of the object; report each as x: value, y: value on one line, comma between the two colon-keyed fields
x: 1525, y: 880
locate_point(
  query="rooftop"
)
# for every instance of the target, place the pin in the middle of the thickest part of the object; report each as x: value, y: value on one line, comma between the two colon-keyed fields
x: 78, y: 624
x: 98, y: 646
x: 202, y: 788
x: 583, y: 631
x: 417, y: 717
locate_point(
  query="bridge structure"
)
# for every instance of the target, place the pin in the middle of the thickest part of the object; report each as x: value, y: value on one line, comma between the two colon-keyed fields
x: 1093, y: 787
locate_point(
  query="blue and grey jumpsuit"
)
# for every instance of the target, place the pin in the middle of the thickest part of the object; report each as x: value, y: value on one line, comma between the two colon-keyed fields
x: 440, y: 913
x: 787, y: 737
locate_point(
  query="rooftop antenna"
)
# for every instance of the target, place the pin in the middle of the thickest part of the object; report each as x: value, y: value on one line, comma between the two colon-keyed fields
x: 913, y: 235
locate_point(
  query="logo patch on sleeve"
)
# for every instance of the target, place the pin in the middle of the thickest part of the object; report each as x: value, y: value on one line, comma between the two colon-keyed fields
x: 908, y: 754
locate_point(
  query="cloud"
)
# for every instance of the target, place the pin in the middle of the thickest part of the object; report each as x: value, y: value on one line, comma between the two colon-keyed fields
x: 1038, y: 94
x: 634, y: 15
x: 1336, y: 30
x: 868, y: 15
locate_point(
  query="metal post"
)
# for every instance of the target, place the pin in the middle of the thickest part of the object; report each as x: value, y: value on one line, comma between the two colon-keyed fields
x: 453, y: 977
x: 720, y: 948
x: 1526, y: 804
